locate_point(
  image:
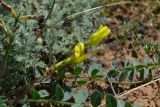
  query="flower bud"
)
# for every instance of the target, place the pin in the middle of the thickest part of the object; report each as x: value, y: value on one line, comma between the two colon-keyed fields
x: 97, y: 37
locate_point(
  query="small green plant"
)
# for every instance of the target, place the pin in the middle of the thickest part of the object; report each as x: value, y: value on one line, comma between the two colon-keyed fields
x: 47, y: 57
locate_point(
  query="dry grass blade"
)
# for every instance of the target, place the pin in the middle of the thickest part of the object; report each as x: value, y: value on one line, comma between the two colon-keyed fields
x: 98, y: 7
x: 134, y: 89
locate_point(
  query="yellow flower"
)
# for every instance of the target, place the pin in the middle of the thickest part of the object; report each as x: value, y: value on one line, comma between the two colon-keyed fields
x: 79, y: 49
x: 97, y: 37
x: 77, y: 57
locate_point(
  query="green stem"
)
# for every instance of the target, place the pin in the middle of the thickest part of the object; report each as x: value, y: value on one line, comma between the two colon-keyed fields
x: 64, y: 103
x: 5, y: 59
x: 48, y: 101
x: 9, y: 45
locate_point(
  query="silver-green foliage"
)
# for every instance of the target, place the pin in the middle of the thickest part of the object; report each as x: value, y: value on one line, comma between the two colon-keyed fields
x: 57, y: 39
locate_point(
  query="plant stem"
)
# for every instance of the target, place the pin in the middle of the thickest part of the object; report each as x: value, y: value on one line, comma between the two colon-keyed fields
x: 5, y: 60
x: 50, y: 11
x: 9, y: 45
x: 114, y: 92
x: 49, y: 101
